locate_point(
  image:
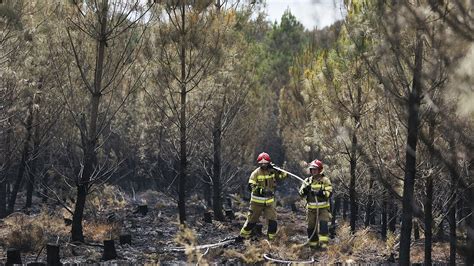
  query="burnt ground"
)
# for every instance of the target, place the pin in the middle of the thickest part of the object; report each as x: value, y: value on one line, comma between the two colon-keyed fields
x: 156, y: 232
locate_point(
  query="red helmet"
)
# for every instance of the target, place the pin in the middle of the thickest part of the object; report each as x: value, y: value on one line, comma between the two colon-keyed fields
x: 263, y: 158
x: 316, y: 164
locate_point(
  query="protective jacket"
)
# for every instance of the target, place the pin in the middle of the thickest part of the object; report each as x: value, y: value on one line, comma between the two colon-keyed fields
x: 317, y: 190
x: 262, y: 183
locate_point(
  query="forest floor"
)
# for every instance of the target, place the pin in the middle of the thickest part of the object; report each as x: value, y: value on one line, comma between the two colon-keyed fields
x: 153, y: 235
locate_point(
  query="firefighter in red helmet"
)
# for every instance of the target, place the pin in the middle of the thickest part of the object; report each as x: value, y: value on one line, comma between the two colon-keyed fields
x: 317, y: 190
x: 262, y: 184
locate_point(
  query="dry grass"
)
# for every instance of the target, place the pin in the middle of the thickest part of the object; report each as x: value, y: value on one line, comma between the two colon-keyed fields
x: 98, y: 232
x: 106, y: 198
x: 363, y: 246
x: 30, y: 233
x: 187, y: 237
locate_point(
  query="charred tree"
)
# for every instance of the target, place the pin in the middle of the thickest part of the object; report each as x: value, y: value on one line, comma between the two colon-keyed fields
x: 24, y: 157
x: 183, y: 159
x: 414, y: 98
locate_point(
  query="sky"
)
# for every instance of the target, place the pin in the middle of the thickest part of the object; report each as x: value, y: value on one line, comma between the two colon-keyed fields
x: 311, y: 13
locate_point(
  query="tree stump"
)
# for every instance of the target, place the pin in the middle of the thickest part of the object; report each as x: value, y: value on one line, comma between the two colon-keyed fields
x: 143, y: 209
x: 52, y: 255
x: 126, y: 239
x: 229, y: 202
x: 230, y: 215
x: 67, y: 221
x: 109, y: 250
x: 13, y: 256
x: 208, y: 217
x: 257, y: 230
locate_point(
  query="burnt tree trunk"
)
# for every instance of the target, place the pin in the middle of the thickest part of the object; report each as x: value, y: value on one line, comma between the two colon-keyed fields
x: 33, y: 165
x: 429, y: 192
x: 452, y: 205
x: 89, y: 142
x: 369, y: 208
x: 414, y: 98
x: 182, y: 124
x: 428, y: 219
x: 52, y: 257
x: 384, y: 217
x: 3, y: 198
x: 3, y: 178
x: 352, y: 183
x: 24, y: 157
x: 470, y: 230
x: 216, y: 168
x: 416, y: 229
x: 345, y: 205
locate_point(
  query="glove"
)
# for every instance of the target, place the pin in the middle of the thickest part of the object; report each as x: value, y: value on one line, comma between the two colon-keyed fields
x: 306, y: 190
x: 320, y: 193
x: 271, y: 165
x: 258, y: 191
x: 267, y: 192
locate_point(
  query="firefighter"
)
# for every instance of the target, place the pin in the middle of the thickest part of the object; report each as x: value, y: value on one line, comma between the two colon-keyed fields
x: 317, y: 190
x: 262, y: 184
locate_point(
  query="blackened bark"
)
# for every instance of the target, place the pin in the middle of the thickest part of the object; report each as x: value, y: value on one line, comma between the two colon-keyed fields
x: 24, y: 157
x: 414, y: 98
x: 3, y: 199
x: 384, y: 218
x: 33, y: 166
x: 470, y: 230
x: 416, y: 230
x: 429, y: 193
x: 392, y: 223
x: 352, y: 183
x: 428, y: 219
x: 7, y: 157
x: 452, y: 205
x: 216, y: 169
x: 182, y: 124
x: 369, y: 208
x: 345, y: 205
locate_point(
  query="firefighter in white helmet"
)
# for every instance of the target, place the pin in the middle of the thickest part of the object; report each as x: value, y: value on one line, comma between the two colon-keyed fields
x: 317, y: 190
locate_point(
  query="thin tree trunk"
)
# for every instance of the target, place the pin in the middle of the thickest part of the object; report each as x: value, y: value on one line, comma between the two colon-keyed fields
x: 24, y: 157
x: 345, y: 205
x: 429, y: 193
x: 182, y: 123
x: 352, y: 184
x: 428, y: 219
x: 3, y: 199
x: 410, y: 163
x: 33, y: 164
x: 384, y: 218
x: 216, y: 165
x: 369, y: 208
x: 452, y: 206
x: 90, y: 141
x: 416, y: 229
x: 3, y: 177
x: 392, y: 223
x: 470, y: 230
